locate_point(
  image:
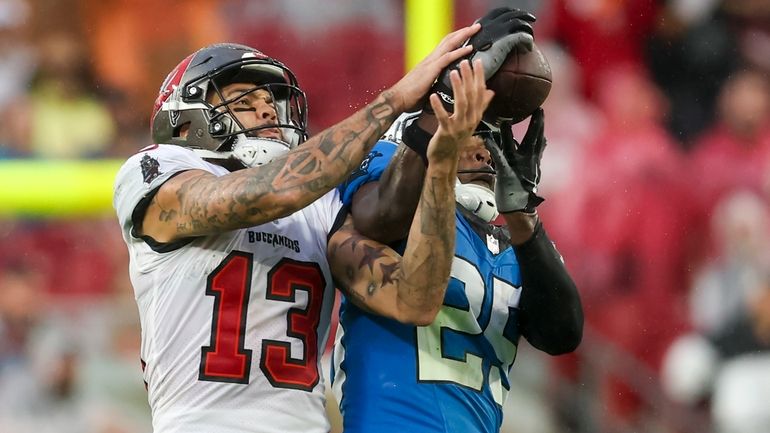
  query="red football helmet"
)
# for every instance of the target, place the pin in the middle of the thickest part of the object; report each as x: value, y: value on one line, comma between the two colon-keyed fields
x: 212, y: 129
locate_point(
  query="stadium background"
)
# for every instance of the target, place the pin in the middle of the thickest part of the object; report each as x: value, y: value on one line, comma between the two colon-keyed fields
x: 657, y: 181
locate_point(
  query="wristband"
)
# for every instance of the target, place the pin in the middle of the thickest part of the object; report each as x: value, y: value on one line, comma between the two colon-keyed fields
x: 417, y: 139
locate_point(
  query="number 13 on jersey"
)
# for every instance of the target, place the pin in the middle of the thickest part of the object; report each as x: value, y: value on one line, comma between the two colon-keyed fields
x: 227, y: 359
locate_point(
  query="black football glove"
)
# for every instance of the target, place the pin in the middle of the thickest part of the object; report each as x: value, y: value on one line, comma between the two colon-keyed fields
x: 501, y: 30
x: 518, y: 166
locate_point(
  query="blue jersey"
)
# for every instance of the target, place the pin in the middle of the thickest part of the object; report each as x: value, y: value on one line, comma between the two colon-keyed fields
x: 451, y: 376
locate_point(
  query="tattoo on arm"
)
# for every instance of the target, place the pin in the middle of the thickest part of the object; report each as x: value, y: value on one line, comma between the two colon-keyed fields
x: 388, y: 271
x: 369, y: 259
x: 167, y: 215
x: 256, y: 195
x: 370, y: 256
x: 431, y: 244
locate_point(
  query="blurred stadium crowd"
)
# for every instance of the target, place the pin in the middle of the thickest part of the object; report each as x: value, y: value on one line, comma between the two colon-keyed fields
x: 657, y: 180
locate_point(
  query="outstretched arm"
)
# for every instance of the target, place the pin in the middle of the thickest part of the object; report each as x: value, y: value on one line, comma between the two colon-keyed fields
x: 197, y: 203
x: 410, y: 288
x: 551, y: 313
x: 383, y: 209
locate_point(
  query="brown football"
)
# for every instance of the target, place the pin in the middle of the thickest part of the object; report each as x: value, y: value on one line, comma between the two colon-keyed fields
x: 521, y: 84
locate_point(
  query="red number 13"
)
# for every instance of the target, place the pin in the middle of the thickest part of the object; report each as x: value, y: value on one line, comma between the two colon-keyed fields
x: 226, y: 359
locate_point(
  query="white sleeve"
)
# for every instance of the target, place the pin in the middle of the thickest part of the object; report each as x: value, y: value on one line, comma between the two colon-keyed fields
x: 142, y: 174
x: 327, y: 209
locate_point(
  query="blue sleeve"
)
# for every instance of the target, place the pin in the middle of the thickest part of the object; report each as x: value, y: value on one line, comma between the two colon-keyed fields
x: 370, y: 170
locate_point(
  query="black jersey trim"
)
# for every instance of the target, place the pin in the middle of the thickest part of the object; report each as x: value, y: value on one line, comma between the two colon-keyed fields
x: 137, y: 216
x: 339, y: 220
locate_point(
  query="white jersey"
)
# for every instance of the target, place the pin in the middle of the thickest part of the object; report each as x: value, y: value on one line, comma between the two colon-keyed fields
x: 233, y: 325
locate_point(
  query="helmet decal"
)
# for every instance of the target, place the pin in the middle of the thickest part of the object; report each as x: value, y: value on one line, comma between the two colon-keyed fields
x: 256, y: 54
x: 171, y: 83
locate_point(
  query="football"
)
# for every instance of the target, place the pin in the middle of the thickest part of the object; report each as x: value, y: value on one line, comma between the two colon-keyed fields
x: 521, y: 85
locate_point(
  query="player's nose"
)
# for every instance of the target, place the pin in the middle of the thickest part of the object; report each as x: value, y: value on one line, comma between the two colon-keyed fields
x: 265, y: 112
x: 482, y: 155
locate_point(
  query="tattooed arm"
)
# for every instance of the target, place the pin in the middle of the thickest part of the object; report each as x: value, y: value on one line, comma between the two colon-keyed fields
x: 197, y: 203
x: 382, y: 209
x: 410, y: 288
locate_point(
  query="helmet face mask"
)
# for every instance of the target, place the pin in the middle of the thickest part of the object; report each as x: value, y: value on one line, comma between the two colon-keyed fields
x: 191, y: 110
x: 490, y: 138
x: 475, y: 198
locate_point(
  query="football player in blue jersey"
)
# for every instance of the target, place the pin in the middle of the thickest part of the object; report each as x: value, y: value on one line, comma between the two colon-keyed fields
x: 506, y: 282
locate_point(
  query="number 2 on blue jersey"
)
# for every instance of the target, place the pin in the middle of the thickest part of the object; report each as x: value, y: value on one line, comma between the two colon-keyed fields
x: 488, y: 315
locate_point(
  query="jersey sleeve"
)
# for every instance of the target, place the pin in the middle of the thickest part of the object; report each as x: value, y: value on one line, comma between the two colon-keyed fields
x: 143, y: 173
x: 370, y: 170
x: 327, y: 211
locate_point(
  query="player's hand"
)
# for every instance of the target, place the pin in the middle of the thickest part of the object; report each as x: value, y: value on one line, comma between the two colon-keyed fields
x: 518, y: 166
x: 471, y: 99
x: 502, y: 29
x: 413, y: 87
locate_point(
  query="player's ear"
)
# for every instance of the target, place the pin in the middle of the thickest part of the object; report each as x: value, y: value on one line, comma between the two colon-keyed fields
x: 181, y: 131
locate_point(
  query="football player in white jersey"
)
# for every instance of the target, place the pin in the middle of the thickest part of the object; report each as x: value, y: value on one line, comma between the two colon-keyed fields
x: 229, y: 222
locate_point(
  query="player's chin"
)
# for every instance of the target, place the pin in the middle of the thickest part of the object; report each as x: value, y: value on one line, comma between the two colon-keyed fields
x: 488, y: 184
x: 487, y: 180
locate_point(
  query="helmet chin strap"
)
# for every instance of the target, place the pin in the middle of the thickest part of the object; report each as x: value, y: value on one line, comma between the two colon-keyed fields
x: 477, y: 199
x: 250, y: 151
x: 480, y: 170
x: 253, y: 152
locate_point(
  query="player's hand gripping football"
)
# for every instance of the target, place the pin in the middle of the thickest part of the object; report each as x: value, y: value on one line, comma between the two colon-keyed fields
x: 518, y: 166
x: 502, y: 29
x: 411, y: 90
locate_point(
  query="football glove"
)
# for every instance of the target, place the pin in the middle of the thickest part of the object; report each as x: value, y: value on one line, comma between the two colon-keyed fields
x: 501, y: 30
x: 518, y: 166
